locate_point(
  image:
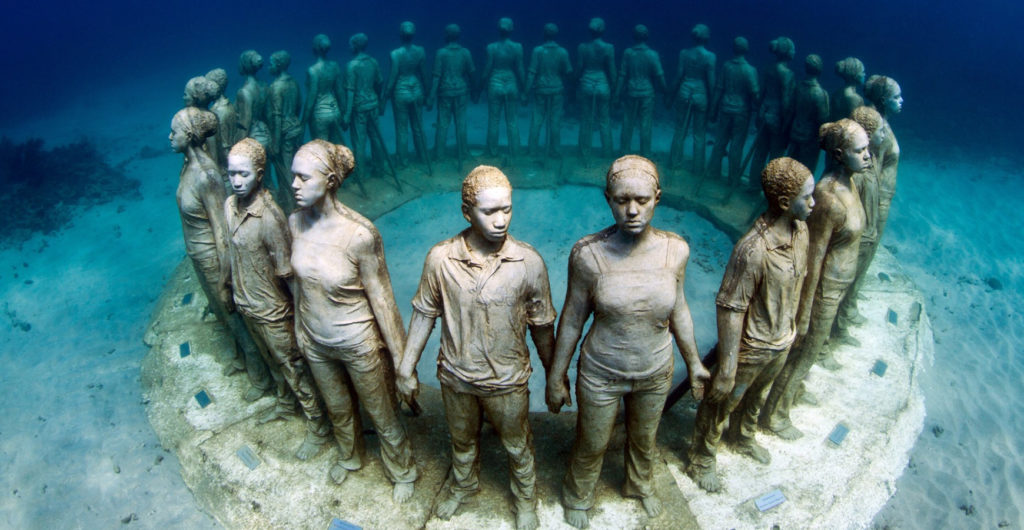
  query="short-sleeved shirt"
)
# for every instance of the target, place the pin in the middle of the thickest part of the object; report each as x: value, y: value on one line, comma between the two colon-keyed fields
x: 260, y: 253
x: 550, y: 64
x: 362, y: 77
x: 453, y: 67
x: 485, y: 309
x: 739, y: 86
x: 763, y: 280
x: 641, y: 65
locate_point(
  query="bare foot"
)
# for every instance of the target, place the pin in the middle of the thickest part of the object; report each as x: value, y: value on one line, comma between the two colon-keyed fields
x: 527, y: 520
x: 753, y: 450
x: 310, y: 446
x: 830, y: 363
x: 447, y: 507
x: 402, y: 492
x: 577, y: 518
x: 652, y: 504
x: 276, y: 413
x: 253, y: 394
x: 338, y: 474
x: 706, y: 478
x: 788, y: 433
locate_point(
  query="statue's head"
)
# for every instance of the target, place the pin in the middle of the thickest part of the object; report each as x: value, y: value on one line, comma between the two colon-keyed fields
x: 358, y: 42
x: 700, y: 34
x: 884, y: 93
x: 452, y: 32
x: 280, y: 61
x: 845, y: 143
x: 596, y: 26
x: 319, y: 168
x: 250, y: 62
x: 487, y: 202
x: 247, y: 163
x: 783, y: 48
x: 219, y: 76
x: 813, y: 65
x: 640, y: 33
x: 789, y: 187
x: 851, y: 70
x: 871, y: 121
x: 740, y: 46
x: 200, y: 92
x: 550, y: 31
x: 632, y: 189
x: 406, y: 31
x: 321, y: 45
x: 505, y: 25
x: 190, y: 127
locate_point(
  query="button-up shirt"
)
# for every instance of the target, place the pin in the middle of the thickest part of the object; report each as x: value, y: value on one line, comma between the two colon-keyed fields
x: 260, y: 253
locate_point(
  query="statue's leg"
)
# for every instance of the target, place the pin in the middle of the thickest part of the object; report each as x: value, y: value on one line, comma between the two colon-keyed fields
x: 536, y: 120
x: 743, y: 419
x: 629, y: 118
x: 643, y: 415
x: 604, y: 123
x: 646, y: 123
x: 461, y: 132
x: 557, y: 106
x: 444, y: 118
x: 595, y: 422
x: 416, y: 124
x: 740, y: 127
x: 509, y: 413
x: 512, y: 122
x: 760, y: 156
x: 401, y: 111
x: 463, y: 414
x: 587, y: 115
x: 336, y: 389
x: 682, y: 111
x: 494, y: 106
x: 722, y: 137
x: 699, y: 126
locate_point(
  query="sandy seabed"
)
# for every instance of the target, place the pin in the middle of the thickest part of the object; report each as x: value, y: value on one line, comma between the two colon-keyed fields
x: 76, y: 450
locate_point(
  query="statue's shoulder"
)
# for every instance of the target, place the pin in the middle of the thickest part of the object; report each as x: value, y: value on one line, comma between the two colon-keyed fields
x: 589, y: 245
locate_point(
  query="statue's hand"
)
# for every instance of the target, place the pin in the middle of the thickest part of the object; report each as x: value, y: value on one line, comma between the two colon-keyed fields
x: 699, y: 379
x: 408, y: 387
x: 721, y: 387
x: 557, y: 395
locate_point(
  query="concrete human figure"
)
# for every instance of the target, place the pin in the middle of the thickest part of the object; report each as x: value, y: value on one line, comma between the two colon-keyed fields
x: 325, y: 94
x: 227, y: 117
x: 775, y: 111
x: 200, y: 198
x: 284, y: 116
x: 545, y: 82
x: 695, y: 79
x: 630, y: 276
x: 201, y: 92
x: 885, y: 95
x: 810, y: 111
x: 346, y: 321
x: 488, y: 288
x: 450, y: 89
x: 867, y: 182
x: 595, y: 63
x: 756, y: 312
x: 363, y: 84
x: 834, y: 227
x: 262, y: 282
x: 640, y: 79
x: 732, y: 104
x: 251, y: 100
x: 503, y: 75
x: 844, y: 100
x: 405, y: 88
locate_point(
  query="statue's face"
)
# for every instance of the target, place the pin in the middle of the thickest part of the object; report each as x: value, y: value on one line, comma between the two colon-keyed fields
x: 894, y: 103
x: 856, y: 156
x: 800, y: 207
x: 632, y: 200
x: 244, y: 178
x: 878, y: 137
x: 179, y: 140
x: 310, y: 183
x: 491, y: 214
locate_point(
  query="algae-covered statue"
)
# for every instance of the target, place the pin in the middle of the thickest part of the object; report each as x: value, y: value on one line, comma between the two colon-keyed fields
x: 346, y: 320
x: 886, y: 97
x: 227, y: 116
x: 405, y: 88
x: 262, y: 282
x: 200, y: 199
x: 844, y: 100
x: 488, y: 288
x: 756, y: 311
x: 810, y: 111
x: 545, y: 81
x: 640, y: 78
x: 595, y: 64
x: 201, y: 92
x: 775, y: 113
x: 251, y: 100
x: 325, y: 94
x: 284, y: 115
x: 503, y: 74
x: 694, y: 81
x: 735, y: 95
x: 363, y: 84
x: 450, y: 89
x: 834, y: 226
x: 630, y: 276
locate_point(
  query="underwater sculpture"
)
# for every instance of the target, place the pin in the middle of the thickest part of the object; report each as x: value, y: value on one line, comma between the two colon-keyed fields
x: 756, y: 311
x: 775, y: 112
x: 630, y: 276
x: 200, y: 199
x: 363, y: 83
x: 284, y: 114
x: 733, y: 101
x: 227, y: 117
x: 450, y: 89
x: 262, y: 282
x: 405, y: 88
x: 844, y: 100
x: 834, y: 226
x: 810, y: 111
x: 886, y: 97
x: 503, y: 74
x: 694, y: 82
x: 200, y: 92
x: 488, y: 288
x: 595, y: 64
x: 325, y: 94
x: 346, y: 320
x: 642, y: 75
x: 251, y: 100
x: 545, y: 81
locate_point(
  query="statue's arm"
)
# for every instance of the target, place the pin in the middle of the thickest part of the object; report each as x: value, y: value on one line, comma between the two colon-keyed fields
x: 819, y: 227
x: 389, y: 87
x: 681, y: 325
x: 575, y: 312
x: 373, y: 272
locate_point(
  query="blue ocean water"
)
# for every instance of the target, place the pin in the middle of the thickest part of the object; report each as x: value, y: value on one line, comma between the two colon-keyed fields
x: 75, y: 448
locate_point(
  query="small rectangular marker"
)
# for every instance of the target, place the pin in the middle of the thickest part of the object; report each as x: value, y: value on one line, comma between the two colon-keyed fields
x: 892, y: 317
x: 838, y: 434
x: 248, y: 457
x: 338, y: 524
x: 187, y: 299
x: 770, y: 500
x: 203, y: 399
x: 884, y: 277
x: 184, y: 349
x: 879, y: 368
